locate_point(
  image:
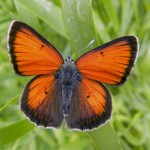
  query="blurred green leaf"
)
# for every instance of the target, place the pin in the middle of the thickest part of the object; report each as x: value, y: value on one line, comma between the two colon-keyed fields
x: 33, y: 21
x: 14, y: 131
x: 79, y: 24
x: 51, y: 14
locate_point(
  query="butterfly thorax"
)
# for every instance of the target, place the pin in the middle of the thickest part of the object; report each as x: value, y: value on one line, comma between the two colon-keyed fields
x: 68, y: 77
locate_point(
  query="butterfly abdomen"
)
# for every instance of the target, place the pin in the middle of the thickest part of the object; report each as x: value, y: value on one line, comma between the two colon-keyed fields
x: 68, y: 78
x: 67, y: 91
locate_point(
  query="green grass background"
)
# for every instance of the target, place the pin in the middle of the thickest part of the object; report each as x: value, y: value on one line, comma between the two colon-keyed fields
x: 70, y: 25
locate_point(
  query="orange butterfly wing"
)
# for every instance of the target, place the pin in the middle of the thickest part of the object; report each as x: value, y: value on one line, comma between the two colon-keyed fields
x: 30, y: 53
x: 110, y: 63
x: 91, y: 106
x: 41, y: 101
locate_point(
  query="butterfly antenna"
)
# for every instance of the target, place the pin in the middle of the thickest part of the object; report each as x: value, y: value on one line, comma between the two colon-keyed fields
x: 91, y: 42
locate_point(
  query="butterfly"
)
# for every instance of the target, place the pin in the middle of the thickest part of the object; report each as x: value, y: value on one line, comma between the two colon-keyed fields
x: 64, y: 88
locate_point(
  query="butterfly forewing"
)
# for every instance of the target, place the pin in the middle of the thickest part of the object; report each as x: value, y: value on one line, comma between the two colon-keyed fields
x: 91, y: 106
x: 41, y: 101
x: 30, y: 53
x: 110, y: 63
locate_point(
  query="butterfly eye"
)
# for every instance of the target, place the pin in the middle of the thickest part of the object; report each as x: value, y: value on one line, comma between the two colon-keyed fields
x: 69, y: 57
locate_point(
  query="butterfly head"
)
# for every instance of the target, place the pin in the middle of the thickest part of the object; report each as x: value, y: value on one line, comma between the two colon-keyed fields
x: 69, y: 59
x: 68, y: 72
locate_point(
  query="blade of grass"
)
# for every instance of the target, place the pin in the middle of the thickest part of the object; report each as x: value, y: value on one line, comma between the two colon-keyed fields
x: 109, y: 6
x: 126, y: 16
x: 80, y: 30
x: 14, y: 131
x: 13, y: 100
x: 101, y: 28
x: 104, y: 138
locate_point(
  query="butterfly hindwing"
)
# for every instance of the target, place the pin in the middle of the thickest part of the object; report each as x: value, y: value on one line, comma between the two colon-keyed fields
x: 110, y: 63
x: 30, y: 53
x: 91, y: 106
x: 41, y: 101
